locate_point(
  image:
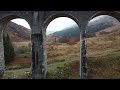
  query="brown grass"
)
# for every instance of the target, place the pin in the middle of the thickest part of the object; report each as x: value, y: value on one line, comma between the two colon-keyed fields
x: 103, y: 55
x: 21, y: 61
x: 64, y: 50
x: 19, y: 44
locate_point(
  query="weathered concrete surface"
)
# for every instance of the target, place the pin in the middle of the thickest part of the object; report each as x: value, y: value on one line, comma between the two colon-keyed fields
x: 2, y: 65
x: 38, y: 21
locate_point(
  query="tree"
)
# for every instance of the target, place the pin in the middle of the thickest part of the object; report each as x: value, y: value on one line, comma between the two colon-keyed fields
x: 9, y: 52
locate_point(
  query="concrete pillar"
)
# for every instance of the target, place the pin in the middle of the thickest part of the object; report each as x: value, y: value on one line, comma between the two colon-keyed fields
x: 2, y: 62
x: 83, y: 61
x: 39, y: 65
x: 38, y: 57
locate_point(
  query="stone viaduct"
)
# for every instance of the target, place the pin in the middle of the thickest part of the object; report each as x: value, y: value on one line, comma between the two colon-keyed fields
x: 38, y: 21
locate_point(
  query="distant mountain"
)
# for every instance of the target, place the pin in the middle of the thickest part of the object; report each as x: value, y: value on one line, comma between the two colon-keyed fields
x: 93, y: 27
x: 102, y: 23
x: 17, y: 32
x: 49, y: 32
x: 68, y: 34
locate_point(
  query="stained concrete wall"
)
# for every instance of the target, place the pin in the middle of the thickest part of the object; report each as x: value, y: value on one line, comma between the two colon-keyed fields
x: 38, y: 21
x: 2, y: 65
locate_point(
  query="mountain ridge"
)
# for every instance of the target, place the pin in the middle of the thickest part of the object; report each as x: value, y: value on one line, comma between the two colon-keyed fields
x: 17, y: 32
x: 91, y: 29
x: 104, y: 22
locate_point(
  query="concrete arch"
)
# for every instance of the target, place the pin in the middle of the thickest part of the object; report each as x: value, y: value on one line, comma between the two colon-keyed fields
x: 39, y: 20
x: 5, y: 19
x: 57, y: 15
x: 51, y: 18
x: 113, y: 14
x: 109, y: 13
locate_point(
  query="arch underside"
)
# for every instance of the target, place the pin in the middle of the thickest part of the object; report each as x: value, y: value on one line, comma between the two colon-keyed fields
x: 109, y: 13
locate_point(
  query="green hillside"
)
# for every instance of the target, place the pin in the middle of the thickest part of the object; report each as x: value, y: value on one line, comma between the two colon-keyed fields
x: 69, y: 32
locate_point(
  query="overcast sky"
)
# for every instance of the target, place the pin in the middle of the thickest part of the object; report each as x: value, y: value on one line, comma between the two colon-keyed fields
x: 21, y: 22
x: 55, y: 25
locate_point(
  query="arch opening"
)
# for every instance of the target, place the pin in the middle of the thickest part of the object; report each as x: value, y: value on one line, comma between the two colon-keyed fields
x: 63, y: 48
x: 16, y: 43
x: 103, y: 47
x: 109, y: 13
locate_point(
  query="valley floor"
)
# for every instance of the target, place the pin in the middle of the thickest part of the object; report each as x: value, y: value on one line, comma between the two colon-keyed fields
x: 103, y: 57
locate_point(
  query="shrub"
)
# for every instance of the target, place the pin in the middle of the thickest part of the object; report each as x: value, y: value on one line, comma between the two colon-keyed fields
x: 64, y: 72
x: 22, y: 50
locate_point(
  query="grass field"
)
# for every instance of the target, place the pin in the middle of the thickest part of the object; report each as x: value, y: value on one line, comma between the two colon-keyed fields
x: 63, y: 63
x: 103, y: 54
x: 103, y: 57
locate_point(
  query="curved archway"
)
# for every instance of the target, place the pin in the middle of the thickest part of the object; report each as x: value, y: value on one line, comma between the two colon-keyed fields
x: 7, y: 18
x: 52, y: 17
x: 109, y: 13
x: 57, y: 44
x: 103, y: 46
x: 4, y: 21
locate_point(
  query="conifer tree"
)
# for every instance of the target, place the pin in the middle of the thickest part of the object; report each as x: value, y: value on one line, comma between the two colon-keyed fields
x: 9, y: 52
